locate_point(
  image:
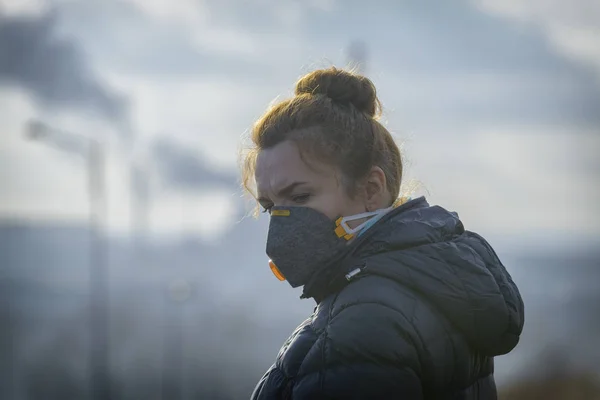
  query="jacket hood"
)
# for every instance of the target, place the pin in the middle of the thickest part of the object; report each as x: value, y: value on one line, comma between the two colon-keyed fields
x: 427, y: 249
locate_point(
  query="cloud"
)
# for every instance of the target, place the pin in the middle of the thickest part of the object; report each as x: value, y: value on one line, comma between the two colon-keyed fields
x: 52, y: 69
x: 451, y: 60
x: 452, y: 63
x: 182, y: 168
x: 453, y: 102
x: 20, y: 7
x: 572, y: 28
x: 515, y: 181
x: 142, y: 38
x: 266, y: 13
x: 184, y: 11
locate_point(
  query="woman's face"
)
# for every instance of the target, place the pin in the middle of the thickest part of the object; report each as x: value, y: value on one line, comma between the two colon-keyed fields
x: 284, y: 179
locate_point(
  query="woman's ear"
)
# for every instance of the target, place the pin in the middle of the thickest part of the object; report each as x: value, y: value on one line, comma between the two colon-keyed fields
x: 375, y: 190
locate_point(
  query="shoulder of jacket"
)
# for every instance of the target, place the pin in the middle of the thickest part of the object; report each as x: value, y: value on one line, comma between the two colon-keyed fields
x: 373, y: 290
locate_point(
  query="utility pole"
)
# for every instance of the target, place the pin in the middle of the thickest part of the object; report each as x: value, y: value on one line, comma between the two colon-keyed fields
x: 99, y: 276
x: 178, y: 292
x: 94, y: 154
x: 139, y: 204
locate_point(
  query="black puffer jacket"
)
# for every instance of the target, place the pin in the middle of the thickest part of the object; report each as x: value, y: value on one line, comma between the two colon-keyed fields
x: 426, y: 309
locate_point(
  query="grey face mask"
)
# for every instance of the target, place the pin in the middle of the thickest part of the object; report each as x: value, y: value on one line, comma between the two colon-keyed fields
x: 302, y: 240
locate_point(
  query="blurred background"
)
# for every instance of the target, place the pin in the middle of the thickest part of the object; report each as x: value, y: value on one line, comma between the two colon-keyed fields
x: 128, y: 267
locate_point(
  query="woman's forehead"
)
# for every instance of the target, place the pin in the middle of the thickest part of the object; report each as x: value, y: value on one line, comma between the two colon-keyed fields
x: 284, y: 155
x: 282, y: 165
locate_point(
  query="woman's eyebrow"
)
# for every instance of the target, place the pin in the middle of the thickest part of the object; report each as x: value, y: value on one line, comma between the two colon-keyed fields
x: 286, y: 191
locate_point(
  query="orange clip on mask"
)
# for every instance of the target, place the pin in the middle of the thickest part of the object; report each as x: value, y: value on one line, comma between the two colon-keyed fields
x: 276, y: 271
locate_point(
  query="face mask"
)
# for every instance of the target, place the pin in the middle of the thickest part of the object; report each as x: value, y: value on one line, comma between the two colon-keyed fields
x: 302, y: 240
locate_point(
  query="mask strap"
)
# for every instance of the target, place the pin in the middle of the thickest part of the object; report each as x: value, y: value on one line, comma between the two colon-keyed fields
x: 343, y: 230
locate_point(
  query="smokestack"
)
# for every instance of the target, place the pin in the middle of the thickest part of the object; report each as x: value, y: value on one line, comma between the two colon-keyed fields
x: 357, y: 56
x: 139, y: 207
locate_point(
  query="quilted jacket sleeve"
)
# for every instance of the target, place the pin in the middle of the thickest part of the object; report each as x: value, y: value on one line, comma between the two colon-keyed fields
x: 366, y: 352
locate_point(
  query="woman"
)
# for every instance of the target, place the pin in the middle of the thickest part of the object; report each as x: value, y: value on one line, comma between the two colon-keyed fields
x: 410, y: 305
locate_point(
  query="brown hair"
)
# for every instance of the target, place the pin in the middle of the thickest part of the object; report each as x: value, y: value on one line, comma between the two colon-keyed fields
x: 333, y: 117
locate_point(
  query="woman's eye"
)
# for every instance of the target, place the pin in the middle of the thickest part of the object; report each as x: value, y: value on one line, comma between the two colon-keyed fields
x: 301, y: 198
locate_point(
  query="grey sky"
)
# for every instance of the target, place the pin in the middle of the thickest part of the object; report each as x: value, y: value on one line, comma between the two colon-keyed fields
x: 489, y: 103
x: 450, y: 60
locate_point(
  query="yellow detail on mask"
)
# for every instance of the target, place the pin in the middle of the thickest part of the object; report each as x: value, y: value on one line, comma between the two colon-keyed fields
x: 280, y: 213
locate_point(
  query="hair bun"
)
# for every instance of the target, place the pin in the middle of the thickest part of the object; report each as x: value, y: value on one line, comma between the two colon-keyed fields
x: 342, y: 87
